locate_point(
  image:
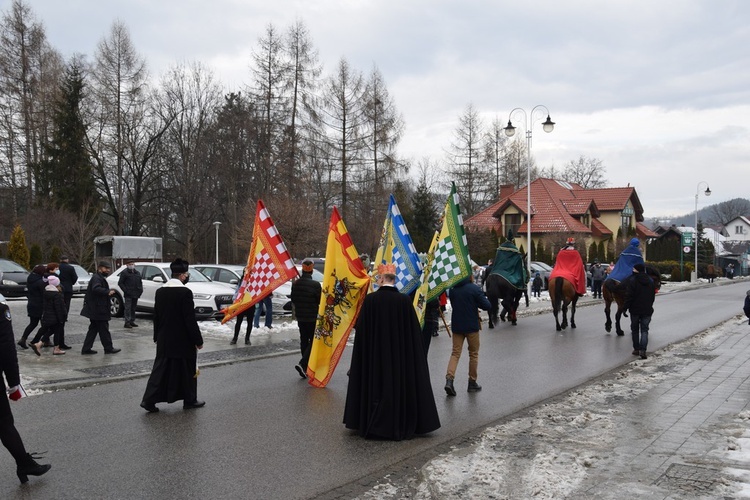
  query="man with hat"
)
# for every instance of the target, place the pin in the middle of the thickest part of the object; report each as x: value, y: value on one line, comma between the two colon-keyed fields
x: 389, y: 395
x: 96, y: 307
x: 305, y: 299
x: 174, y: 376
x: 68, y: 278
x: 131, y: 285
x: 598, y: 273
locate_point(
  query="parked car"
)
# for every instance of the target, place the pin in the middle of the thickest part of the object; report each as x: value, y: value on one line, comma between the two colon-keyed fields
x: 231, y: 274
x: 209, y: 297
x: 14, y: 279
x: 84, y: 277
x: 544, y: 271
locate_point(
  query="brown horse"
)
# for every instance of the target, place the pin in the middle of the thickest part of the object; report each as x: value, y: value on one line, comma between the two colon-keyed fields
x: 614, y: 291
x: 562, y: 293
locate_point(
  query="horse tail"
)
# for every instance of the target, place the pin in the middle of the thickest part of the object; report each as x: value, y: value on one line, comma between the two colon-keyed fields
x: 559, y: 282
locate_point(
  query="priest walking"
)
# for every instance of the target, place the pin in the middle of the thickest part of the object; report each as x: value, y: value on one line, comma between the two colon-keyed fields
x: 389, y: 394
x: 178, y: 338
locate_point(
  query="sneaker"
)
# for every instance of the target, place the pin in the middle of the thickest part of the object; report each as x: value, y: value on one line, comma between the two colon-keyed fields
x: 300, y: 370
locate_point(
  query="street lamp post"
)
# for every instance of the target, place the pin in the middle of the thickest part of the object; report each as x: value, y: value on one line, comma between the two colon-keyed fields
x: 707, y: 192
x: 510, y: 131
x: 216, y: 225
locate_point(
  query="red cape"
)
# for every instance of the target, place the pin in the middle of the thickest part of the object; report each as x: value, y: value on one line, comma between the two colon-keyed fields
x: 569, y: 265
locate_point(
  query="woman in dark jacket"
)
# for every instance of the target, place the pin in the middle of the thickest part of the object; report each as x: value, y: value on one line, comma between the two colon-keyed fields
x: 35, y: 305
x: 54, y: 316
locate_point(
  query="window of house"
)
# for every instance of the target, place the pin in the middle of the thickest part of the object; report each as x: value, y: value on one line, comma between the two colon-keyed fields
x: 585, y: 220
x: 512, y: 222
x: 739, y: 229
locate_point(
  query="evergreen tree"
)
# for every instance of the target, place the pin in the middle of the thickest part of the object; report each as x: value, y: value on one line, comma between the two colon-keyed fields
x: 35, y: 254
x: 67, y: 173
x: 17, y: 250
x: 425, y: 217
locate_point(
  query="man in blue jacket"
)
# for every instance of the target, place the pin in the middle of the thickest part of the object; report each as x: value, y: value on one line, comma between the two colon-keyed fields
x: 466, y: 300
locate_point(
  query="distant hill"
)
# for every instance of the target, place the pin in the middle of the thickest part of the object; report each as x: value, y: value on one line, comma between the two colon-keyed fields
x: 716, y: 214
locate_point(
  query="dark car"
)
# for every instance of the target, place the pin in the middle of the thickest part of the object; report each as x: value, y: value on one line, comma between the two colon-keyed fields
x: 14, y: 279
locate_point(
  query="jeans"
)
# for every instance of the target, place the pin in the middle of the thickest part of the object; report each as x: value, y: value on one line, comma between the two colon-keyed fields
x: 639, y: 323
x: 596, y: 289
x: 458, y: 341
x: 266, y: 305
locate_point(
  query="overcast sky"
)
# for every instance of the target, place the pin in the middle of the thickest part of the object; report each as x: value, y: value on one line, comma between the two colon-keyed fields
x: 657, y: 90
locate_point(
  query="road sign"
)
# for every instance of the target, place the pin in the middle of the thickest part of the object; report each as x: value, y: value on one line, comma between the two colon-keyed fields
x: 687, y: 239
x: 686, y: 249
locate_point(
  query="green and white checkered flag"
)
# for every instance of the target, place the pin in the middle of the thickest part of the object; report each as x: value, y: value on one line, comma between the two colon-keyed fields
x: 451, y: 262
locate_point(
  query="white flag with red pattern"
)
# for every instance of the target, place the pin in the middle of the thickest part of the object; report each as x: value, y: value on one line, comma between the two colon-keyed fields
x: 269, y: 265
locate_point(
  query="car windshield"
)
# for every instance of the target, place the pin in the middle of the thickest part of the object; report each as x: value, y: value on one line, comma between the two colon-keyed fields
x: 8, y: 266
x: 195, y: 275
x: 81, y: 272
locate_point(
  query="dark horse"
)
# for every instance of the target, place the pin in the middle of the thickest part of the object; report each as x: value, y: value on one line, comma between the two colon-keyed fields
x: 562, y: 293
x: 614, y: 291
x: 499, y: 289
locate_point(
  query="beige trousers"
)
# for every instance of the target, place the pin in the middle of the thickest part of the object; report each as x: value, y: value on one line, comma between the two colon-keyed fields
x: 472, y: 340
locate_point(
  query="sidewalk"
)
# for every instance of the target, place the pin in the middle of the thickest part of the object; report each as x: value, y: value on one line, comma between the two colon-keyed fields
x: 676, y: 425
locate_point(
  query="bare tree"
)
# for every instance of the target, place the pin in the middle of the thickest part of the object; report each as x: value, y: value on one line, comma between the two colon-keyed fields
x: 586, y: 172
x: 495, y: 152
x: 466, y: 164
x: 723, y: 212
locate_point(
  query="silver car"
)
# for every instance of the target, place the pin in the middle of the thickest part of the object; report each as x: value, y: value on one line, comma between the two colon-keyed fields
x: 209, y: 297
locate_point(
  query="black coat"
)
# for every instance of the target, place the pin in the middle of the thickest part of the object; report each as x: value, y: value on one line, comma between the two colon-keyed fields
x: 8, y: 357
x: 96, y: 301
x: 176, y: 330
x: 389, y: 394
x: 131, y: 283
x: 68, y: 277
x: 746, y: 308
x: 35, y: 305
x: 306, y: 298
x: 640, y: 292
x: 55, y: 312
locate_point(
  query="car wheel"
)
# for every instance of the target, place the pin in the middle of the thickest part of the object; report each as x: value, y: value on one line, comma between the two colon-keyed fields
x: 116, y: 308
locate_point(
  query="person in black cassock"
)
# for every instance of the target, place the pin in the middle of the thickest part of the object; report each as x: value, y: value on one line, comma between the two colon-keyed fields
x: 178, y: 339
x: 389, y: 394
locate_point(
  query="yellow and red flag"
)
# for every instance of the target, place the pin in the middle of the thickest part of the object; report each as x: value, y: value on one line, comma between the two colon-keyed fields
x: 269, y: 265
x: 345, y: 285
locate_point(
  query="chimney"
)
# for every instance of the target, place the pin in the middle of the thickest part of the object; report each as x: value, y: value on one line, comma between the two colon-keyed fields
x: 506, y: 190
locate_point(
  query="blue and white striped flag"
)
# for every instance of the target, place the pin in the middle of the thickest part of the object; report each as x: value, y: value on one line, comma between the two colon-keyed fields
x: 396, y: 247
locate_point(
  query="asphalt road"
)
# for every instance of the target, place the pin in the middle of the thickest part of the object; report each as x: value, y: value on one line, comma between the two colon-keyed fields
x: 265, y: 433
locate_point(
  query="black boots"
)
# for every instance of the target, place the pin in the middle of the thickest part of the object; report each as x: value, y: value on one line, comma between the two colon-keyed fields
x: 473, y: 386
x: 28, y: 467
x: 449, y: 390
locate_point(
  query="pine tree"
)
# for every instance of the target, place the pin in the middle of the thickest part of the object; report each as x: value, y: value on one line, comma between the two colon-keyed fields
x: 425, y: 217
x: 67, y: 173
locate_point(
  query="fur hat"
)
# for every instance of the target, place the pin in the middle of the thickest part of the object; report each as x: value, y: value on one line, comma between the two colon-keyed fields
x: 53, y: 280
x: 179, y: 266
x: 640, y: 268
x: 307, y: 266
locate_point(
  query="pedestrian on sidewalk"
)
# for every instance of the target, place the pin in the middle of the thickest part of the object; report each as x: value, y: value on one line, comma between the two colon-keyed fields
x: 264, y: 307
x: 746, y: 308
x: 131, y: 284
x: 68, y: 277
x: 26, y: 464
x: 53, y: 317
x: 35, y: 303
x: 174, y: 376
x: 305, y: 299
x: 640, y: 292
x: 389, y: 395
x: 96, y: 307
x: 247, y: 315
x: 466, y: 300
x: 598, y: 275
x: 536, y: 285
x: 45, y: 333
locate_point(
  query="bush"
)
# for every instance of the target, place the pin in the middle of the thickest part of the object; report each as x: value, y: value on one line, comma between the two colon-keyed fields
x: 675, y: 274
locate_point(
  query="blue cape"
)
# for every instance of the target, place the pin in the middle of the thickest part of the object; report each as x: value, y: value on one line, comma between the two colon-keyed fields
x: 628, y: 258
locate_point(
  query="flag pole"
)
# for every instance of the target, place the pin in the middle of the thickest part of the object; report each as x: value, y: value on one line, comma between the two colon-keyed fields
x: 447, y: 328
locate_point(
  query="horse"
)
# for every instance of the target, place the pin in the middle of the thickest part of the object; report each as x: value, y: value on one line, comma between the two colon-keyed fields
x: 499, y: 289
x: 614, y: 291
x: 562, y: 293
